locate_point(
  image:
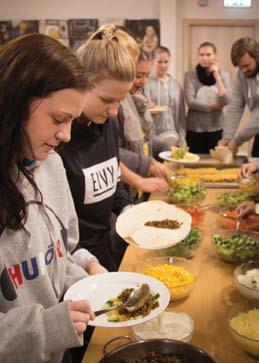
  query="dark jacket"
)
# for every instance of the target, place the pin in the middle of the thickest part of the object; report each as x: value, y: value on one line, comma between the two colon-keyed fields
x: 91, y: 160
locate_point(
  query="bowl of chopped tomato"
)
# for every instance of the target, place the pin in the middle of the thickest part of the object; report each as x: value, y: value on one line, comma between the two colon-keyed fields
x: 228, y: 219
x: 196, y: 212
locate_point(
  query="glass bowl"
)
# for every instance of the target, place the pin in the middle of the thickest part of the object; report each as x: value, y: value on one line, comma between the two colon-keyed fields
x: 228, y: 218
x: 178, y: 274
x: 236, y: 246
x: 187, y: 247
x: 195, y: 211
x: 187, y: 191
x: 248, y: 283
x: 239, y: 327
x: 173, y: 180
x: 168, y: 325
x: 233, y: 199
x: 249, y: 184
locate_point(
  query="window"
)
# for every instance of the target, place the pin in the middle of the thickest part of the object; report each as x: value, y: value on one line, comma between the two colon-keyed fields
x: 237, y: 3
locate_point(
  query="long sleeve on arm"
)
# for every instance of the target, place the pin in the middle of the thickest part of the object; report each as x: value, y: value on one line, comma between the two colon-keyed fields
x: 234, y: 110
x: 121, y: 199
x: 31, y: 334
x: 226, y: 97
x: 190, y: 94
x: 138, y: 163
x: 181, y: 123
x: 250, y: 129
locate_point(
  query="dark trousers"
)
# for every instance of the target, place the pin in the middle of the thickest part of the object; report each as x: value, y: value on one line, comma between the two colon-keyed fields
x: 255, y: 149
x: 75, y: 355
x: 202, y: 142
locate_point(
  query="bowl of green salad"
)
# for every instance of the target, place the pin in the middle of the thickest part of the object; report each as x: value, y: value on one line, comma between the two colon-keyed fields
x: 233, y: 199
x: 236, y: 246
x: 187, y: 193
x: 187, y: 247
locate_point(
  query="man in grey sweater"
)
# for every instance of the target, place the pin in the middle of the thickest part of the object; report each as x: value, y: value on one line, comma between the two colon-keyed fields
x: 244, y: 55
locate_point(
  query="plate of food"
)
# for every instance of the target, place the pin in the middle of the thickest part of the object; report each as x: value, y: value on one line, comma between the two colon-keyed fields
x: 153, y: 225
x: 179, y: 155
x: 158, y: 109
x: 111, y: 289
x: 207, y: 95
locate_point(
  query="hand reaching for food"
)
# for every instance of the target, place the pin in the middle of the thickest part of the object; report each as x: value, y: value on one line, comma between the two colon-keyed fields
x: 247, y: 169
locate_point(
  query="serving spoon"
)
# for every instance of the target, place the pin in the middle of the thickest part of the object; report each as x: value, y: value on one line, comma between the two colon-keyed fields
x: 136, y: 300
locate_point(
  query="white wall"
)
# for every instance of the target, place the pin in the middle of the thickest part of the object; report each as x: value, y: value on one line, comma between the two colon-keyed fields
x: 170, y: 12
x: 67, y: 9
x: 215, y: 10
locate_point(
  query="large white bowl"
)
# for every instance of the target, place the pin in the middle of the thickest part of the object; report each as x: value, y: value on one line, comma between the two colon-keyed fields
x: 168, y: 325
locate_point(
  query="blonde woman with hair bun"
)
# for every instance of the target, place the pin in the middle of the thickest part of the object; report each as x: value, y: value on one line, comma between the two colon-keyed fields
x: 91, y: 158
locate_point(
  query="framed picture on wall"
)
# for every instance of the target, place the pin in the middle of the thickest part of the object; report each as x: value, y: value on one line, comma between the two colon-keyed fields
x: 5, y: 31
x: 21, y: 27
x: 80, y: 30
x: 146, y: 32
x: 57, y: 29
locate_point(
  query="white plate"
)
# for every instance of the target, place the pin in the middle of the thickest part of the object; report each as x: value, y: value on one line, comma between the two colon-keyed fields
x: 99, y: 288
x: 158, y: 109
x: 207, y: 95
x: 167, y: 155
x: 131, y: 227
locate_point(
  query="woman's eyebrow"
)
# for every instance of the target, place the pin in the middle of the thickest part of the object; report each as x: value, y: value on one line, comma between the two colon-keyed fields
x: 67, y: 114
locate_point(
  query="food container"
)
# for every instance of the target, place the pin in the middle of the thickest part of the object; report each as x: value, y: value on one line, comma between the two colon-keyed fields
x: 233, y: 199
x: 249, y: 184
x: 168, y: 325
x: 178, y: 274
x: 235, y: 246
x: 186, y: 191
x: 132, y: 351
x: 242, y: 320
x: 228, y: 219
x: 247, y: 280
x: 187, y: 247
x: 197, y: 213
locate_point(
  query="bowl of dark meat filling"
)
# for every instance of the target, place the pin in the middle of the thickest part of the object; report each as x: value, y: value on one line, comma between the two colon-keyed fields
x: 157, y: 350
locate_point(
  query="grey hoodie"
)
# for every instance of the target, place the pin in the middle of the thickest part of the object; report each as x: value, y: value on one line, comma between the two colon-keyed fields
x: 136, y: 125
x: 200, y: 117
x: 36, y: 269
x: 245, y: 92
x: 171, y: 122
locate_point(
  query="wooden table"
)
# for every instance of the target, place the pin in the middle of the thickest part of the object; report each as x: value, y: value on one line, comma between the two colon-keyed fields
x: 208, y: 303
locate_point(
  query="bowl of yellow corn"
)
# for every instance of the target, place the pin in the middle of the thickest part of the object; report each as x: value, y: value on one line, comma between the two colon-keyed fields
x: 178, y: 274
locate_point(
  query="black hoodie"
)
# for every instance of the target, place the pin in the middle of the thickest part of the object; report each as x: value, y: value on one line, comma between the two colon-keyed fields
x: 91, y: 160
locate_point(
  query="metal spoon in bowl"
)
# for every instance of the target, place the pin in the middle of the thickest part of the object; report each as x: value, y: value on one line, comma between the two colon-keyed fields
x: 239, y: 219
x: 136, y: 300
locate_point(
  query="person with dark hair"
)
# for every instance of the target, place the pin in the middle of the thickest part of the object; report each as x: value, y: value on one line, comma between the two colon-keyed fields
x: 165, y: 91
x: 245, y: 56
x: 42, y: 89
x: 207, y: 92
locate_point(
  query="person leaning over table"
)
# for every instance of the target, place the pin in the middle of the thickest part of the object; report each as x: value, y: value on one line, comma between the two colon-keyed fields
x: 245, y: 56
x: 170, y: 125
x: 136, y: 172
x: 205, y: 120
x: 248, y: 207
x: 139, y: 147
x: 41, y: 92
x: 91, y: 158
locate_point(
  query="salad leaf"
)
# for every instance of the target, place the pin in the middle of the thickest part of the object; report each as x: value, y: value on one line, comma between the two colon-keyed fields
x: 187, y: 194
x: 232, y: 199
x: 186, y: 247
x: 180, y: 152
x: 237, y: 248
